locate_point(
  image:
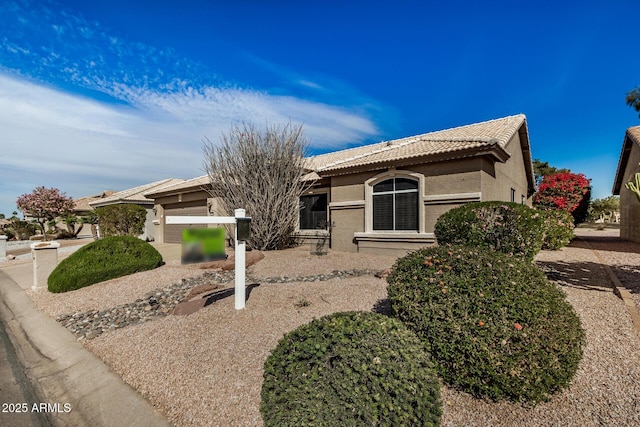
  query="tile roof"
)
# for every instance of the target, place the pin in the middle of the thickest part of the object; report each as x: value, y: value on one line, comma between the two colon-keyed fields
x: 82, y: 203
x: 136, y: 194
x: 634, y: 134
x: 192, y: 184
x: 631, y: 137
x: 476, y: 135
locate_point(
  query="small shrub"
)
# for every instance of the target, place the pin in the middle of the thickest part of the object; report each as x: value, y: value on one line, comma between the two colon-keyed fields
x: 350, y: 369
x: 102, y: 260
x: 557, y: 228
x: 505, y: 227
x: 495, y: 326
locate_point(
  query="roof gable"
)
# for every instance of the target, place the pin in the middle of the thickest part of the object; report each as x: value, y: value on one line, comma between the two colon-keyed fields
x: 134, y: 195
x: 631, y: 137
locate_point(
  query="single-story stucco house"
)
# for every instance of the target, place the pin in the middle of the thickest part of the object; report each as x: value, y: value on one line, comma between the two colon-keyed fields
x: 136, y: 196
x: 627, y: 168
x: 386, y: 197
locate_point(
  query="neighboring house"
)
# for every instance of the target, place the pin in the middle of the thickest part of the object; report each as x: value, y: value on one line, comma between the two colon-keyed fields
x: 186, y: 198
x: 627, y: 168
x: 82, y: 208
x: 386, y: 197
x: 136, y: 196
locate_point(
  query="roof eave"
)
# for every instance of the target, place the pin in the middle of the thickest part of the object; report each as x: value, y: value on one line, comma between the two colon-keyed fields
x: 103, y: 203
x: 495, y: 152
x: 622, y: 163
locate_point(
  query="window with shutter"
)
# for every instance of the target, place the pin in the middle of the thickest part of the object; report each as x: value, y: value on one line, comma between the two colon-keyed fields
x: 395, y: 204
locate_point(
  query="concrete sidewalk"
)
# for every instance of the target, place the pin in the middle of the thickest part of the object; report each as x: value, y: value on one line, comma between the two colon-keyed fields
x: 61, y: 370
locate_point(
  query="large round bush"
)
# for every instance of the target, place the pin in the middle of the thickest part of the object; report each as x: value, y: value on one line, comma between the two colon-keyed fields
x: 505, y: 227
x: 350, y: 369
x: 104, y: 259
x: 557, y: 228
x: 495, y: 326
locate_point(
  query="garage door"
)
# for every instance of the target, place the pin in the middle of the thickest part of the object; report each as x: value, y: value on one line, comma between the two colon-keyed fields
x: 173, y: 232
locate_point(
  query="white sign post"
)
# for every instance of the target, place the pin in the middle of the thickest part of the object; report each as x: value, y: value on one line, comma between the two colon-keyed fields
x: 240, y: 246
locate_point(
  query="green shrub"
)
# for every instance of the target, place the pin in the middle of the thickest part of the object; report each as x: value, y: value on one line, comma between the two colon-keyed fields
x: 505, y: 227
x: 350, y: 369
x: 121, y: 220
x: 495, y: 326
x: 102, y: 260
x: 557, y: 228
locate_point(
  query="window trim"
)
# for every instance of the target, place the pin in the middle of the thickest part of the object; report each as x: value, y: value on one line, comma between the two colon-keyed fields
x: 368, y: 196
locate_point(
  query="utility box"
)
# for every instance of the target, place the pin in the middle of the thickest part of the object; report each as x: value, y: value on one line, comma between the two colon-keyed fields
x: 243, y: 228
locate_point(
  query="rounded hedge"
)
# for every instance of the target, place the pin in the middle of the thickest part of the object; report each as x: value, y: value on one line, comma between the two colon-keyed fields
x: 495, y: 326
x: 350, y: 368
x: 557, y: 228
x: 502, y: 226
x: 104, y: 259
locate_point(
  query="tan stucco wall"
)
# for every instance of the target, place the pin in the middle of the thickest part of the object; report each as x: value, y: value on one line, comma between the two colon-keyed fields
x: 349, y: 187
x: 398, y: 249
x: 446, y: 178
x: 346, y: 223
x: 629, y: 205
x: 447, y: 185
x: 183, y: 198
x: 452, y: 177
x: 498, y: 179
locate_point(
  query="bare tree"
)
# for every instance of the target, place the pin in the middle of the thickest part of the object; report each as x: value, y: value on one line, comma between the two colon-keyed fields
x: 260, y: 171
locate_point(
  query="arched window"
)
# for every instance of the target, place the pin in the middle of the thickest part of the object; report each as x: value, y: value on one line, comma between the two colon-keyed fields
x: 395, y: 204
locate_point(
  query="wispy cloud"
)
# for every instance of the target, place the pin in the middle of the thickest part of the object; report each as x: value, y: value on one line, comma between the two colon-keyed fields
x: 149, y: 121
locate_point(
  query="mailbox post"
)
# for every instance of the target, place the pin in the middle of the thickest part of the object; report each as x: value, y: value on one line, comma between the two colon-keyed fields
x: 240, y: 252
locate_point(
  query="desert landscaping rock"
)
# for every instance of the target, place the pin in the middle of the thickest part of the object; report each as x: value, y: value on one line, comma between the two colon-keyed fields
x: 162, y: 302
x: 207, y: 367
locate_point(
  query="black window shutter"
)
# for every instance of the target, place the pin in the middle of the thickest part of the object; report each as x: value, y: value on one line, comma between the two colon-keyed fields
x: 383, y: 212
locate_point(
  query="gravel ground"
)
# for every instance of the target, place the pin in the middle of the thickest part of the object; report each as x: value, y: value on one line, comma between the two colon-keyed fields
x: 205, y: 369
x: 623, y: 257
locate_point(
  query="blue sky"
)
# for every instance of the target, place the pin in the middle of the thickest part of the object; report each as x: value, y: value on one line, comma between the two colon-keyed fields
x: 99, y: 95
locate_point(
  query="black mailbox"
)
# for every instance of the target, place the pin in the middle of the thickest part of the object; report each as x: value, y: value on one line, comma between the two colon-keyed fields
x: 243, y: 228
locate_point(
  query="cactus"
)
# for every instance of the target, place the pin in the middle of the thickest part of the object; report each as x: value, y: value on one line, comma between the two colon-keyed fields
x: 635, y: 186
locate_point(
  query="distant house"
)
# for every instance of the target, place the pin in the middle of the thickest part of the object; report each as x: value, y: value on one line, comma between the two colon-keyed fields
x: 186, y: 198
x: 136, y: 196
x: 386, y: 197
x: 627, y: 168
x: 82, y: 208
x: 81, y: 205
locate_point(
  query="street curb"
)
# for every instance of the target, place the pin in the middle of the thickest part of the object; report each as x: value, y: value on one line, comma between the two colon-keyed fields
x: 619, y: 289
x: 63, y: 371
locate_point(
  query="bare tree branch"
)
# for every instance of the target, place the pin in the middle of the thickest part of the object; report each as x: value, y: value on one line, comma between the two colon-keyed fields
x: 260, y: 171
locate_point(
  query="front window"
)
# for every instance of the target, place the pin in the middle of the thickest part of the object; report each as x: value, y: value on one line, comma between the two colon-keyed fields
x: 313, y: 212
x: 395, y: 204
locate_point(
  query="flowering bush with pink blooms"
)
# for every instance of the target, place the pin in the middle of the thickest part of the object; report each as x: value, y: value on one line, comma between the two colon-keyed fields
x: 565, y: 191
x: 494, y: 325
x: 44, y: 205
